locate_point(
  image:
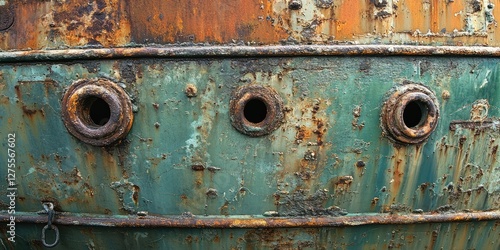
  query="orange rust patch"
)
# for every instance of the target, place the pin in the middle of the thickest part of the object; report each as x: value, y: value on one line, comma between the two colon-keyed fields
x: 397, y: 175
x: 74, y: 23
x: 302, y: 133
x: 412, y: 15
x: 349, y: 19
x: 118, y: 23
x: 202, y: 21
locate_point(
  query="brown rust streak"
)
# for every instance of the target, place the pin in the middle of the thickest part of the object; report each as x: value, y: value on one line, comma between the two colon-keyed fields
x: 24, y: 33
x: 435, y: 8
x: 117, y: 23
x: 250, y: 222
x: 493, y: 28
x: 398, y: 170
x: 448, y: 18
x: 350, y: 19
x: 410, y: 16
x: 201, y: 21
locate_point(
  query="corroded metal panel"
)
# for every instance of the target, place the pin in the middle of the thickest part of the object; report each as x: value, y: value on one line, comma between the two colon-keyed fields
x: 431, y: 236
x: 250, y: 124
x: 30, y: 24
x: 329, y: 155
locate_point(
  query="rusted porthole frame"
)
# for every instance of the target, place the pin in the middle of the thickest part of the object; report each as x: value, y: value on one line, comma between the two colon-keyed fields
x: 274, y: 110
x: 392, y: 117
x: 7, y: 16
x: 76, y: 105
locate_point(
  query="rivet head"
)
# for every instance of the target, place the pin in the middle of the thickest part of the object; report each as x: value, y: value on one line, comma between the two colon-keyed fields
x: 295, y: 4
x: 360, y: 164
x: 191, y: 90
x: 380, y: 3
x: 324, y: 4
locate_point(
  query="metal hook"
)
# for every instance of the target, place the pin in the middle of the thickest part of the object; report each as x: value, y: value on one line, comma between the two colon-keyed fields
x: 49, y: 207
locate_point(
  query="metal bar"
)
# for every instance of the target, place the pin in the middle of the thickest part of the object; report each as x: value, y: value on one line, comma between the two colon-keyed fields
x: 245, y: 51
x: 477, y: 125
x: 250, y: 221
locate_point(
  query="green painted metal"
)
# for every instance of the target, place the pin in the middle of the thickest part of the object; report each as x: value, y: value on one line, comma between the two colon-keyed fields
x: 433, y: 236
x: 309, y: 166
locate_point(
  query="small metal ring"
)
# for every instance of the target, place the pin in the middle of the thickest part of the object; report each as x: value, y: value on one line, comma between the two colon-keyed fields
x: 56, y: 230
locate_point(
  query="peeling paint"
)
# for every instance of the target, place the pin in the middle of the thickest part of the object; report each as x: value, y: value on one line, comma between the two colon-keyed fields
x: 317, y: 166
x: 118, y: 23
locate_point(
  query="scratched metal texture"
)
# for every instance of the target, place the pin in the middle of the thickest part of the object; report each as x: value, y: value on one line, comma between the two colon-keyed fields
x: 33, y: 24
x: 327, y: 158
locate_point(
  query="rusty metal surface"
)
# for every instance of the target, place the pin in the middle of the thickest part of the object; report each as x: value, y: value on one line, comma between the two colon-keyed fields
x: 6, y: 17
x: 251, y: 97
x: 406, y: 100
x: 327, y: 161
x: 119, y: 23
x: 242, y: 221
x: 97, y: 111
x: 266, y: 124
x: 472, y: 235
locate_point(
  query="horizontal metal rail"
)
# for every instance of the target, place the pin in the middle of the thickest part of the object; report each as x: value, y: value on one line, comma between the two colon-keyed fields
x: 246, y: 221
x: 245, y: 51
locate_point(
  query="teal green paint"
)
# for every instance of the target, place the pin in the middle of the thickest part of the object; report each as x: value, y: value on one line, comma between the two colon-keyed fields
x: 418, y: 236
x: 197, y: 130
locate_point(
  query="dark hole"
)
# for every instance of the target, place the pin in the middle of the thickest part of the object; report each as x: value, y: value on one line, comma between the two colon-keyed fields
x: 414, y: 114
x: 99, y: 111
x: 255, y: 111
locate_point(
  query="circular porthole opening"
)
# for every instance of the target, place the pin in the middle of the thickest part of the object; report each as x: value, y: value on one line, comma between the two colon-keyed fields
x: 410, y: 114
x: 95, y: 111
x: 415, y: 114
x: 255, y: 111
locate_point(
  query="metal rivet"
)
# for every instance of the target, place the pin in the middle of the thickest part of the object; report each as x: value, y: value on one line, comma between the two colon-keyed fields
x: 445, y: 95
x: 6, y: 17
x: 212, y: 193
x: 295, y: 5
x: 379, y: 3
x: 191, y: 90
x: 360, y: 164
x: 325, y: 4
